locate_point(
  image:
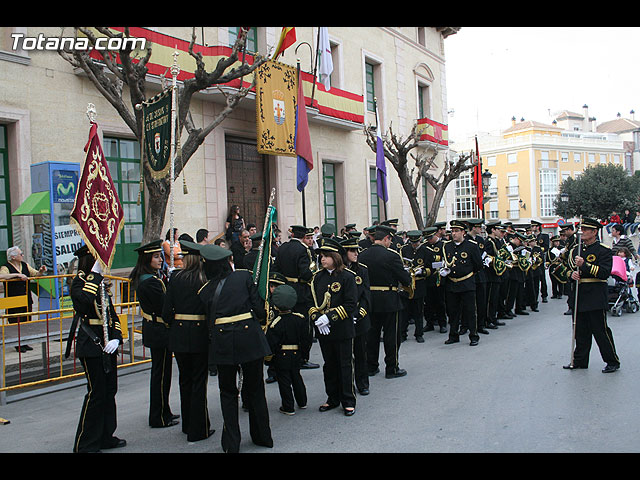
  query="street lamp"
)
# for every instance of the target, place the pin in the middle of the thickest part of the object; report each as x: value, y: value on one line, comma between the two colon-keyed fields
x: 564, y: 197
x: 486, y: 180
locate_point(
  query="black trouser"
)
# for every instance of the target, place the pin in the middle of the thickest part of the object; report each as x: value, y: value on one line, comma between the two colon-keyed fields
x: 338, y: 371
x: 98, y: 415
x: 493, y: 301
x: 415, y: 309
x: 461, y: 307
x: 303, y: 309
x: 557, y: 288
x: 530, y: 297
x: 434, y: 306
x: 515, y: 297
x: 254, y: 400
x: 290, y: 385
x: 543, y: 283
x: 504, y: 293
x: 387, y: 324
x: 360, y: 369
x: 481, y: 304
x: 571, y: 292
x: 192, y: 378
x: 594, y: 324
x: 159, y: 410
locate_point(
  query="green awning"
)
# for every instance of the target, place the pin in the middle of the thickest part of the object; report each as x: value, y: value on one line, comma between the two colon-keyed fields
x: 36, y: 204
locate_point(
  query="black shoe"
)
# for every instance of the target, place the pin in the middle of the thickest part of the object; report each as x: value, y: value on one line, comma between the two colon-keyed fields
x: 533, y: 309
x: 309, y: 365
x: 569, y: 312
x: 420, y: 339
x: 492, y: 326
x: 509, y: 315
x: 271, y: 379
x: 398, y: 373
x: 610, y: 368
x: 500, y: 324
x: 449, y: 341
x: 573, y: 367
x: 373, y: 372
x: 544, y: 300
x: 326, y: 407
x: 502, y: 316
x: 348, y: 411
x: 363, y: 391
x: 463, y: 330
x: 174, y: 417
x: 473, y: 343
x: 115, y: 443
x: 287, y: 412
x: 483, y: 330
x: 429, y: 328
x: 521, y: 312
x: 443, y: 329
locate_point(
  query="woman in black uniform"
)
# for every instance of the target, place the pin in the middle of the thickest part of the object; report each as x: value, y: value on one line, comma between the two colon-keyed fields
x: 97, y: 422
x: 335, y: 297
x: 234, y: 310
x: 150, y: 291
x: 189, y: 340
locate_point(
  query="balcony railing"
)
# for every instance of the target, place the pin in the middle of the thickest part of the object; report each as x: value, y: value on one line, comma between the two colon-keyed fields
x: 513, y: 189
x: 514, y: 214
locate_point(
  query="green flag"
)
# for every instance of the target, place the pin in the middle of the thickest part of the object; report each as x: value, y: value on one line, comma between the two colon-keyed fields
x: 262, y: 266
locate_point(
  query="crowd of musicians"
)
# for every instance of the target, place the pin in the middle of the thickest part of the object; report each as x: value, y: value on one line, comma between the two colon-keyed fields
x: 354, y: 296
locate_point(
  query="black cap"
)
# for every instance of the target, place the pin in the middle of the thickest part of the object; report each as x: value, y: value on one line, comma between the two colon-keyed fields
x: 278, y: 278
x: 350, y: 243
x: 386, y: 229
x: 566, y: 226
x: 328, y: 229
x: 213, y: 253
x: 301, y: 230
x: 284, y: 297
x: 458, y: 224
x: 349, y: 225
x: 590, y: 223
x: 190, y: 248
x: 151, y: 247
x: 536, y: 222
x: 414, y: 235
x: 440, y: 224
x: 330, y: 245
x: 392, y: 222
x: 475, y: 221
x: 429, y: 231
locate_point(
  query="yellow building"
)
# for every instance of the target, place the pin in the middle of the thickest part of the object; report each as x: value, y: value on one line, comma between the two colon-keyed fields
x: 529, y: 160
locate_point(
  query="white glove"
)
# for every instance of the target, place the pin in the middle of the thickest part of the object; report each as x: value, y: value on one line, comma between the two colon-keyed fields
x: 510, y: 248
x: 444, y: 271
x: 418, y: 271
x: 484, y: 254
x: 323, y: 324
x: 96, y: 267
x: 487, y: 261
x: 111, y: 346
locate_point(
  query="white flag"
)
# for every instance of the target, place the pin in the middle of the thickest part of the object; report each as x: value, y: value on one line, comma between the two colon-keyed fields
x: 325, y: 60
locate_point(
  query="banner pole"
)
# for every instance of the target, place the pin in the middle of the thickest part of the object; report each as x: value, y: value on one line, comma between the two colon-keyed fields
x: 174, y: 73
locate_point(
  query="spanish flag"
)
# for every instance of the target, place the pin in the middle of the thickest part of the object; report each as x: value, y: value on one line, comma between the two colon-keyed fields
x: 287, y: 38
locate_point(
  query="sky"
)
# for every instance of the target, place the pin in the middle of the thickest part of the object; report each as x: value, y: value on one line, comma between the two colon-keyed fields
x: 496, y: 73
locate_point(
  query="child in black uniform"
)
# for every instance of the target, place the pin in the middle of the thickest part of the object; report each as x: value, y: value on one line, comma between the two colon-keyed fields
x: 288, y: 336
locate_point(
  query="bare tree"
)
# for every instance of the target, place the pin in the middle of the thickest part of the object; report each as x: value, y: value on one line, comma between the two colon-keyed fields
x: 412, y: 167
x: 109, y: 78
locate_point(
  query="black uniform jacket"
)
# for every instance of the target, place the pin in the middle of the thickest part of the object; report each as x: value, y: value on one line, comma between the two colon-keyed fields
x: 418, y: 258
x: 87, y: 302
x: 464, y: 261
x: 335, y: 294
x: 288, y: 334
x: 492, y: 247
x: 150, y: 293
x: 185, y: 314
x: 481, y: 276
x: 294, y: 262
x: 433, y: 254
x: 236, y: 334
x: 386, y: 271
x: 592, y: 286
x: 363, y: 322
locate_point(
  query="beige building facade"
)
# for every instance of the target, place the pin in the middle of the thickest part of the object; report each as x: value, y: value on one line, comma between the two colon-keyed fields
x: 43, y: 103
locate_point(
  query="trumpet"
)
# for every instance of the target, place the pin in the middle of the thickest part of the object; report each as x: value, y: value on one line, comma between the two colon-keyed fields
x: 410, y: 290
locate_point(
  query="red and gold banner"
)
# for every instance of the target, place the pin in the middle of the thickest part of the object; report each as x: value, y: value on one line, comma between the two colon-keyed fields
x: 97, y: 213
x: 432, y: 131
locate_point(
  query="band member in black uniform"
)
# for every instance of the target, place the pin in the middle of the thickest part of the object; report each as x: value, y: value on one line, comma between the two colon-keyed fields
x: 189, y: 340
x: 536, y: 273
x: 397, y: 242
x: 434, y: 300
x: 543, y: 241
x: 150, y: 291
x: 414, y: 256
x: 295, y: 261
x: 234, y: 310
x: 517, y: 275
x: 495, y: 270
x: 249, y: 259
x: 557, y: 288
x: 385, y: 273
x: 568, y: 232
x: 462, y: 261
x: 475, y: 235
x: 286, y: 333
x: 335, y: 298
x: 591, y: 268
x: 98, y: 418
x: 361, y: 318
x: 367, y: 241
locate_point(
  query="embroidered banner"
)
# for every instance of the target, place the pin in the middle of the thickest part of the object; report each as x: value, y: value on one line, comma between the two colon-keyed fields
x: 276, y: 92
x: 156, y: 133
x: 97, y: 213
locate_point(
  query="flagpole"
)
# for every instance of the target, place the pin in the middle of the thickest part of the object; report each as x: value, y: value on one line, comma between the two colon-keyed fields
x: 304, y: 208
x: 315, y: 67
x: 174, y: 73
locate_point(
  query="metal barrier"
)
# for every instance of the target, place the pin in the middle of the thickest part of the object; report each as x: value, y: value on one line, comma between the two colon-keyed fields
x: 48, y: 330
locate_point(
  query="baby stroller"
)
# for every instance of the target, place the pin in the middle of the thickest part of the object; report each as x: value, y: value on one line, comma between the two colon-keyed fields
x: 620, y: 295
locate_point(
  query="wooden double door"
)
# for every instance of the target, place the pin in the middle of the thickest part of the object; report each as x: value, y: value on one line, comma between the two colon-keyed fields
x: 247, y: 179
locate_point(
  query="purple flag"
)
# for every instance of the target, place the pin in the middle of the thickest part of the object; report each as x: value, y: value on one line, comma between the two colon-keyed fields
x: 381, y: 167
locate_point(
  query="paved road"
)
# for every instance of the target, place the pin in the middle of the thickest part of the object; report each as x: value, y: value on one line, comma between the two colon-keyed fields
x: 509, y: 394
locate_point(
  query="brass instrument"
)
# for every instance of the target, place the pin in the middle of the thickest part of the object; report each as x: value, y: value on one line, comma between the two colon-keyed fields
x: 410, y: 290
